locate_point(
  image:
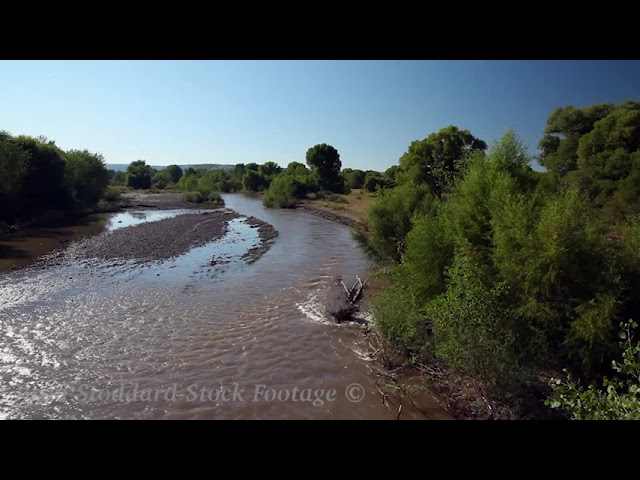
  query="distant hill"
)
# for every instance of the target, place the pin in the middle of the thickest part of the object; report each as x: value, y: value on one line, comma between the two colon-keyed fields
x: 121, y: 167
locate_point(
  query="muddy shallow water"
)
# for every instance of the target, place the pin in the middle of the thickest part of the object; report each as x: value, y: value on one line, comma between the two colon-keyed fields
x: 191, y: 338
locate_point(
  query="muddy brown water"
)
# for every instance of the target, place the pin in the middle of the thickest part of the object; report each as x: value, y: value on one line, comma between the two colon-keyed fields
x: 181, y: 339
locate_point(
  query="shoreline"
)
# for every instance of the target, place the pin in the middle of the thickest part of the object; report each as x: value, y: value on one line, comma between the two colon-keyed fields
x: 330, y: 215
x: 82, y: 237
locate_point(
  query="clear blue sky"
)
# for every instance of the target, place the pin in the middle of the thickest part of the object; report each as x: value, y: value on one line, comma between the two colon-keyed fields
x: 256, y: 111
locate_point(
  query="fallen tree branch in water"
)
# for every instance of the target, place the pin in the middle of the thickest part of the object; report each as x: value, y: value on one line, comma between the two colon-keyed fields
x: 349, y: 308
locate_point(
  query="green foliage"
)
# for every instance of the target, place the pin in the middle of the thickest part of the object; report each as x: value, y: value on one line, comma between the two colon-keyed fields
x: 428, y: 255
x: 438, y: 159
x: 139, y: 175
x: 399, y: 317
x: 252, y: 181
x: 617, y: 399
x: 390, y: 219
x: 564, y: 128
x: 199, y: 197
x: 188, y: 182
x: 36, y: 176
x: 118, y: 178
x: 538, y: 279
x: 336, y: 198
x: 473, y: 328
x: 112, y: 193
x: 205, y: 185
x: 159, y: 181
x: 373, y: 182
x: 87, y: 175
x: 215, y: 198
x: 269, y: 170
x: 297, y: 168
x: 174, y: 173
x: 193, y: 197
x: 43, y: 177
x: 282, y: 192
x: 324, y: 160
x: 354, y: 178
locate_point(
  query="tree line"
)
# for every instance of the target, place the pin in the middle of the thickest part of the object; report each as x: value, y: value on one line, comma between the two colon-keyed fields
x: 36, y: 176
x: 504, y: 274
x: 282, y: 187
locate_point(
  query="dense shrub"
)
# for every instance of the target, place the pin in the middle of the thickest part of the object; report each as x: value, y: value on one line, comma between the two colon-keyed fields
x: 282, y: 192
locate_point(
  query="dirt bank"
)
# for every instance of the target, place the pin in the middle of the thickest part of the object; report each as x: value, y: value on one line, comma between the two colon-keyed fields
x: 330, y: 215
x: 161, y: 201
x: 162, y: 239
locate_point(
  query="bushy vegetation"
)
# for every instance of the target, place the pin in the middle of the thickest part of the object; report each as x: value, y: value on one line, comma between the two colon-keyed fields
x: 336, y: 198
x: 502, y: 272
x: 37, y: 176
x: 615, y: 399
x: 199, y: 197
x: 282, y: 192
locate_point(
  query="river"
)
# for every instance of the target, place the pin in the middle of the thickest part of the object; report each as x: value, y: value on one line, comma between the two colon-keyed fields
x: 184, y: 340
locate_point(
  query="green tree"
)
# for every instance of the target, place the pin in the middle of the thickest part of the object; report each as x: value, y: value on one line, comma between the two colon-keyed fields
x: 139, y: 175
x: 562, y: 133
x: 354, y: 178
x: 252, y: 181
x: 119, y: 178
x: 269, y: 169
x: 297, y: 168
x: 174, y: 173
x: 325, y: 160
x: 390, y: 219
x: 373, y: 181
x: 608, y: 165
x: 44, y: 185
x: 438, y: 159
x: 87, y: 175
x: 14, y: 168
x: 390, y: 175
x: 282, y: 192
x: 618, y: 399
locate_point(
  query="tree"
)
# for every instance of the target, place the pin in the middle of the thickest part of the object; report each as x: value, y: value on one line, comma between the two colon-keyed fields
x: 372, y: 181
x: 390, y: 219
x: 354, y: 178
x: 297, y: 168
x: 609, y: 159
x: 252, y: 181
x: 269, y: 169
x: 14, y: 163
x: 325, y: 160
x: 282, y: 192
x: 44, y: 179
x: 438, y: 159
x: 564, y: 128
x: 87, y: 175
x: 139, y: 175
x: 390, y: 175
x: 174, y: 172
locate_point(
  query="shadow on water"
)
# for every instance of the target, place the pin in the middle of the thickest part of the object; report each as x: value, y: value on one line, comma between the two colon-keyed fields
x: 21, y: 248
x: 10, y: 251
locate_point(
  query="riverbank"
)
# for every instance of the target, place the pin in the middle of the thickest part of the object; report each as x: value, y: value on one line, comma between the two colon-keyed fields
x: 152, y: 241
x: 77, y: 237
x: 350, y: 211
x: 330, y: 215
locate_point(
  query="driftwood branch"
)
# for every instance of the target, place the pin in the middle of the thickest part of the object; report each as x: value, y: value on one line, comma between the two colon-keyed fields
x: 348, y: 310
